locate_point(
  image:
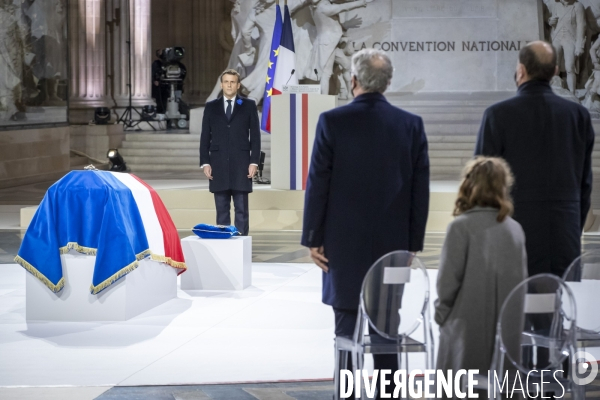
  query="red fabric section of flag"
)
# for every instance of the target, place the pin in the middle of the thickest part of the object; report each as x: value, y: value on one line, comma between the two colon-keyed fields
x: 304, y: 139
x: 268, y: 123
x: 171, y: 239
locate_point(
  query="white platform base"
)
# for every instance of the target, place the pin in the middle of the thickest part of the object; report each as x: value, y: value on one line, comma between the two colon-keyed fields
x: 148, y: 286
x: 196, y: 115
x: 217, y: 264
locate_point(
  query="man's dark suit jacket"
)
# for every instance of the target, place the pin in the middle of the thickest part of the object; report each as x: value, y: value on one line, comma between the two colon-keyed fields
x: 230, y: 146
x: 548, y: 143
x: 367, y: 192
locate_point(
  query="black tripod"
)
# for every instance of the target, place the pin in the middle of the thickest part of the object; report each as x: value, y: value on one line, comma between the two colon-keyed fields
x: 127, y: 117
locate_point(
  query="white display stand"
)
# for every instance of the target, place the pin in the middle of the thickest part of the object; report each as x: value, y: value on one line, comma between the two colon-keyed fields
x: 146, y: 287
x: 196, y: 115
x: 217, y: 264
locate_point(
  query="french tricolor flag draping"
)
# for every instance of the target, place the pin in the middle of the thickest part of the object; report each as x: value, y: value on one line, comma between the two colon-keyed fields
x: 265, y: 122
x: 116, y: 217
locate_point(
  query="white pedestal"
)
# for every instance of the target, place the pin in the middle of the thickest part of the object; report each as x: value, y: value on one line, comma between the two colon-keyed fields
x: 148, y: 286
x: 196, y: 115
x: 217, y: 264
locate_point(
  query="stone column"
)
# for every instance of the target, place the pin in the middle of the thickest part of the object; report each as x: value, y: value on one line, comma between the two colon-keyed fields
x: 87, y: 54
x: 141, y: 52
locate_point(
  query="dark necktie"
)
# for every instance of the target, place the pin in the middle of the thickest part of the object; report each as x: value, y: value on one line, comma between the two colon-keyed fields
x: 228, y: 110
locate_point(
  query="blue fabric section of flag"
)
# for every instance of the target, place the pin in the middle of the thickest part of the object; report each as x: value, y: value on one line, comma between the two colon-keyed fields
x: 287, y: 35
x: 91, y: 212
x: 266, y: 113
x: 293, y: 133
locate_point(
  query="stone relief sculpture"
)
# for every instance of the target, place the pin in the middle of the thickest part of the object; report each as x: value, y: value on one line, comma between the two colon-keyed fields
x: 259, y: 21
x: 48, y: 34
x: 323, y: 48
x: 12, y: 59
x: 567, y: 35
x: 329, y: 34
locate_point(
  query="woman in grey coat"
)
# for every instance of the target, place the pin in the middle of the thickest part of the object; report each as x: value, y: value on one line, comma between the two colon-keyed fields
x: 482, y: 260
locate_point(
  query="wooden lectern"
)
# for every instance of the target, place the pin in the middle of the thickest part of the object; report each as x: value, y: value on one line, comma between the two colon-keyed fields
x: 294, y: 119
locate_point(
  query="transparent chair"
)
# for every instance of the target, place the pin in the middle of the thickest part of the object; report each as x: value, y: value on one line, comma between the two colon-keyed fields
x: 394, y: 302
x: 583, y: 278
x: 535, y: 332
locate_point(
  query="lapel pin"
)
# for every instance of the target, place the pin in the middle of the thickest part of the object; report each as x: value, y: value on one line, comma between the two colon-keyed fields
x: 239, y: 101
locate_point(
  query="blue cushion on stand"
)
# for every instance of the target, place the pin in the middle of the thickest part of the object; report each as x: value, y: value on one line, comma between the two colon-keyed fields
x: 207, y: 231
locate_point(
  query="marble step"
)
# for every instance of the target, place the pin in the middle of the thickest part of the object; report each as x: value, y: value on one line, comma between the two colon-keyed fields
x: 445, y: 146
x: 448, y: 153
x: 451, y: 128
x: 161, y: 137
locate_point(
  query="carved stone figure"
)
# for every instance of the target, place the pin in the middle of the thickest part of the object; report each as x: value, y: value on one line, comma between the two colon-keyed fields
x: 560, y: 89
x: 568, y: 36
x: 329, y: 33
x: 12, y: 54
x: 48, y: 33
x: 343, y: 55
x: 592, y: 97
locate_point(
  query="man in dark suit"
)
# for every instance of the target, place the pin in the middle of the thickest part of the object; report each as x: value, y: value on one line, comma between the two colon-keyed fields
x: 368, y: 189
x: 230, y: 150
x: 548, y: 143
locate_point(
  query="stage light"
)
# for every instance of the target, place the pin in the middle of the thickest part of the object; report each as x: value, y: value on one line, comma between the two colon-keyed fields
x: 116, y: 161
x: 101, y: 115
x: 148, y: 113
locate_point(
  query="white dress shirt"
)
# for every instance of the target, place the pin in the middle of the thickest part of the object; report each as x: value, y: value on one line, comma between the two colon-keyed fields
x: 225, y: 104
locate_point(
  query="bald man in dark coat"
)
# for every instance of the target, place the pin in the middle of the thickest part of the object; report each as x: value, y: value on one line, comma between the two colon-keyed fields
x: 548, y: 143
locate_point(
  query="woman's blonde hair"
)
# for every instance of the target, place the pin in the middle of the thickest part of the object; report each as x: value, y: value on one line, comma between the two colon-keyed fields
x: 486, y: 183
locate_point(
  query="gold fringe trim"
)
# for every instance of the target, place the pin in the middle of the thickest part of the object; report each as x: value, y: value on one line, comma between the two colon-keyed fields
x: 54, y: 288
x: 119, y: 274
x: 80, y: 249
x: 169, y: 261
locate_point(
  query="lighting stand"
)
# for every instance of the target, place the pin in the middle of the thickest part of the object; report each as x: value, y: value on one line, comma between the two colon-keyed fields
x: 127, y: 117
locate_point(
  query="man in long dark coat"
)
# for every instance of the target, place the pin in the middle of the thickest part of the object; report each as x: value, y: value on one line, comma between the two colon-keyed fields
x: 368, y: 189
x: 230, y: 150
x: 548, y: 143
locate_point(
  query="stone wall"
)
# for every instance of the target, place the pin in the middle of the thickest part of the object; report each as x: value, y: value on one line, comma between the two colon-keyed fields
x: 33, y: 155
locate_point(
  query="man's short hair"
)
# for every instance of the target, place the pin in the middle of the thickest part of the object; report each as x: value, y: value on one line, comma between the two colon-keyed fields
x: 230, y: 72
x: 373, y: 70
x: 539, y: 67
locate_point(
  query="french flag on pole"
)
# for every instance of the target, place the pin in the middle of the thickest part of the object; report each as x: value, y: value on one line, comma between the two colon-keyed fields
x: 285, y: 74
x: 265, y: 122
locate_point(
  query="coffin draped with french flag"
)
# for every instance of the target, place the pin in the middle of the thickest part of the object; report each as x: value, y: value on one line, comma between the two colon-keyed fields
x: 115, y: 216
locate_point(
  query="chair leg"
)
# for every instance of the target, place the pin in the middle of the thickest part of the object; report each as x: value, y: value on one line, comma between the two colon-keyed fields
x: 358, y: 359
x: 336, y: 373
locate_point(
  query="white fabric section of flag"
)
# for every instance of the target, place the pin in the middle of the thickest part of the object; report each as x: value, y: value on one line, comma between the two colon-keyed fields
x: 286, y: 63
x: 299, y: 130
x: 143, y: 198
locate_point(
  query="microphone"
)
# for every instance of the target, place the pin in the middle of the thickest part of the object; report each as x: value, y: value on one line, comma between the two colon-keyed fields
x: 317, y: 73
x: 292, y: 74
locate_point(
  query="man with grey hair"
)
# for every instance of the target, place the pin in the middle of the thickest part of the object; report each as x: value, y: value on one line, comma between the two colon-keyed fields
x: 368, y: 189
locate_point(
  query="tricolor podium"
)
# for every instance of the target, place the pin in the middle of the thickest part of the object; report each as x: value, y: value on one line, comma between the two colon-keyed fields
x: 294, y: 118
